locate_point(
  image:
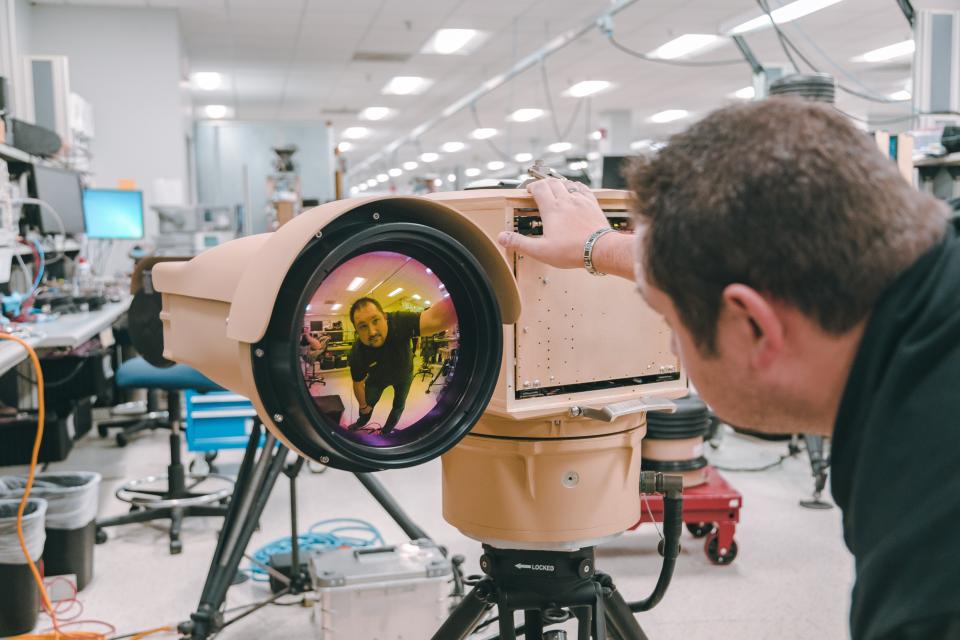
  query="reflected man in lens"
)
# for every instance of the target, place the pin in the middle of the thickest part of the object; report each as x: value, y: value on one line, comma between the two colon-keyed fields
x: 382, y: 355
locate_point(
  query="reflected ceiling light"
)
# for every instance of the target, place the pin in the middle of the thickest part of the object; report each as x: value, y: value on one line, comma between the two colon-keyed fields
x: 782, y: 15
x: 685, y: 45
x: 587, y: 88
x: 452, y: 147
x: 889, y: 52
x: 356, y: 283
x: 483, y: 133
x: 336, y: 307
x: 669, y: 115
x: 406, y: 85
x: 416, y: 296
x: 376, y: 113
x: 525, y: 114
x: 355, y: 133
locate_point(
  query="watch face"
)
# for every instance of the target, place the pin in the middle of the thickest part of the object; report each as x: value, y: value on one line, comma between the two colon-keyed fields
x: 380, y: 342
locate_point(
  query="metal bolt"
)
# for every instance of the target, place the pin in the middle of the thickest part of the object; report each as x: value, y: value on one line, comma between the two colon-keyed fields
x: 258, y: 352
x: 526, y: 384
x: 536, y: 383
x: 376, y: 216
x: 277, y: 417
x: 318, y: 234
x: 546, y: 281
x: 324, y: 460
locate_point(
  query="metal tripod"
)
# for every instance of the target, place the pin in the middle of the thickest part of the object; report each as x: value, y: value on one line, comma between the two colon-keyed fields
x: 258, y: 473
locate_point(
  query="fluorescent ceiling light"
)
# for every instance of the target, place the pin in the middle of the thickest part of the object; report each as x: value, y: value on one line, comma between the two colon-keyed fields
x: 472, y: 172
x: 215, y: 111
x: 372, y: 182
x: 902, y: 95
x: 336, y: 307
x: 890, y: 52
x: 416, y: 296
x: 593, y: 155
x: 344, y: 146
x: 685, y: 45
x: 207, y: 80
x: 410, y: 165
x: 395, y: 292
x: 354, y: 190
x: 376, y: 113
x: 596, y: 135
x: 426, y: 302
x: 452, y: 177
x: 483, y: 133
x: 452, y: 147
x: 437, y: 182
x: 495, y: 165
x: 782, y: 15
x: 669, y: 115
x: 747, y: 93
x: 363, y: 186
x: 396, y: 172
x: 406, y: 85
x: 382, y: 177
x: 525, y: 114
x: 587, y: 88
x: 559, y: 147
x: 523, y: 157
x: 355, y: 133
x: 429, y: 157
x: 356, y: 283
x: 449, y: 41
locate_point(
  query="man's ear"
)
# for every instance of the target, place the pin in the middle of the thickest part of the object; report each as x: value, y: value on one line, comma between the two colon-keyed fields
x: 755, y: 320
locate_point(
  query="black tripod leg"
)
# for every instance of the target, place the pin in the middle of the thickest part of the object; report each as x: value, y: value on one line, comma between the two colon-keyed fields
x: 254, y: 485
x: 391, y: 506
x: 465, y: 618
x: 532, y: 625
x: 621, y: 619
x: 584, y: 622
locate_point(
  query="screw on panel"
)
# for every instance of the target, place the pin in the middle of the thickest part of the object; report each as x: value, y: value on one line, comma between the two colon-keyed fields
x: 376, y: 216
x: 277, y: 417
x: 324, y: 460
x: 258, y: 353
x: 318, y: 234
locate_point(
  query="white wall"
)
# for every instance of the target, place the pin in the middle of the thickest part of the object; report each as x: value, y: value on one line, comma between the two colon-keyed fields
x: 15, y: 41
x: 127, y: 64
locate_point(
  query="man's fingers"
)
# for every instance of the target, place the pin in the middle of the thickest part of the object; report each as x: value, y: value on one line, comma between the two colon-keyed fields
x: 520, y: 244
x: 539, y: 189
x: 557, y: 187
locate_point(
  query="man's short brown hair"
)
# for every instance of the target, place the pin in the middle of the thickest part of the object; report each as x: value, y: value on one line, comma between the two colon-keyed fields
x: 787, y: 197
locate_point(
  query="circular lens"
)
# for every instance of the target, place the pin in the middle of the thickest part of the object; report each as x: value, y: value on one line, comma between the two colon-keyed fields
x: 384, y: 345
x: 379, y: 343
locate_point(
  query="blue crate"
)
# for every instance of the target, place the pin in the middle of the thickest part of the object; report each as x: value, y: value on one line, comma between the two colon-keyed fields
x: 218, y: 420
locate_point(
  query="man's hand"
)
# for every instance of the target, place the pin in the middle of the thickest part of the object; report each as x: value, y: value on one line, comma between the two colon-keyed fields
x: 366, y: 409
x: 570, y: 213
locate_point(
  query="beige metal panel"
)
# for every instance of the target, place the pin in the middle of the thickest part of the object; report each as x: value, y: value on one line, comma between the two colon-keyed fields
x: 213, y: 274
x: 559, y: 426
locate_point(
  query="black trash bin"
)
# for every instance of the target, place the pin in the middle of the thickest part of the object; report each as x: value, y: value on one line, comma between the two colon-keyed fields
x: 19, y: 597
x: 72, y: 498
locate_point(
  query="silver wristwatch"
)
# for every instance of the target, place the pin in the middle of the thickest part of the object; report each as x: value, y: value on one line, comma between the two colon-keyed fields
x: 588, y: 250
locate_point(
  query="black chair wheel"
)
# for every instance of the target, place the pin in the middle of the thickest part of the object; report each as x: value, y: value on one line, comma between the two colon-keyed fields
x: 699, y: 529
x: 713, y: 551
x: 103, y: 430
x: 176, y: 546
x: 101, y: 536
x: 122, y: 440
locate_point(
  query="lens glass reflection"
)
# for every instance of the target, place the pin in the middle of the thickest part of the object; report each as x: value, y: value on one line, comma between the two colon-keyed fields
x: 379, y: 343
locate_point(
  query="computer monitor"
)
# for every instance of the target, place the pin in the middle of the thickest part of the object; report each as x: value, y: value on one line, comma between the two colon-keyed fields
x: 613, y: 172
x: 113, y: 213
x: 61, y: 189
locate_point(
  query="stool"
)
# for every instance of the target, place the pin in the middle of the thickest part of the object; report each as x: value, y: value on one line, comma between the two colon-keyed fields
x: 173, y: 496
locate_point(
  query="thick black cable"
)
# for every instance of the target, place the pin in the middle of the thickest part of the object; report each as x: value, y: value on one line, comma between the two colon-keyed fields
x: 781, y: 38
x: 676, y: 63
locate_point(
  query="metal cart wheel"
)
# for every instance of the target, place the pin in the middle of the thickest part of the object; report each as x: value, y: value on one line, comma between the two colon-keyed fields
x: 717, y: 555
x: 699, y: 529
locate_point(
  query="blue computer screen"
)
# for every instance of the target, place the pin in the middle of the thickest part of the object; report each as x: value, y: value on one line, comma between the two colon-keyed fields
x: 112, y: 213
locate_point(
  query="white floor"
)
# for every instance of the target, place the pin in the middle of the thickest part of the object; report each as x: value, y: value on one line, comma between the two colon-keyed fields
x: 791, y: 579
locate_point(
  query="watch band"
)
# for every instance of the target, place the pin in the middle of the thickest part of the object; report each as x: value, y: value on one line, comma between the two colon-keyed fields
x: 588, y: 250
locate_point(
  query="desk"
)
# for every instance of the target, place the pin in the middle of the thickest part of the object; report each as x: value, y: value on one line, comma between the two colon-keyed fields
x: 69, y: 330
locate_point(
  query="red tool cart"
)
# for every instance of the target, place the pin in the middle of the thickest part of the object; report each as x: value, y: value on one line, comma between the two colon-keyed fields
x: 710, y: 510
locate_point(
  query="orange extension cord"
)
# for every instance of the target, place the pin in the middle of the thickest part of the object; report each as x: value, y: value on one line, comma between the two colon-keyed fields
x: 56, y: 633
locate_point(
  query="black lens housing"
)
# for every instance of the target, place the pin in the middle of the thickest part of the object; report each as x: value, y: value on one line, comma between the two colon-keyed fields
x: 277, y: 373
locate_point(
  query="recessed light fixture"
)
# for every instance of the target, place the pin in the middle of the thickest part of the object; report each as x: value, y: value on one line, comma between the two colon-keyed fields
x: 354, y: 190
x: 559, y: 147
x: 344, y: 146
x: 207, y: 80
x: 395, y: 292
x: 523, y: 157
x: 483, y: 133
x: 429, y: 157
x: 376, y: 113
x: 587, y: 88
x: 410, y: 165
x: 426, y: 302
x: 216, y: 111
x: 472, y: 172
x: 525, y: 114
x: 382, y: 177
x: 372, y: 182
x: 452, y: 177
x: 452, y: 147
x: 336, y: 307
x: 495, y: 165
x: 902, y: 95
x: 747, y: 93
x: 356, y: 283
x: 782, y: 15
x: 396, y: 172
x: 669, y: 115
x: 437, y: 182
x: 453, y: 41
x: 593, y: 155
x: 406, y: 86
x: 685, y: 45
x: 596, y: 135
x: 355, y: 133
x: 416, y: 296
x: 889, y: 52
